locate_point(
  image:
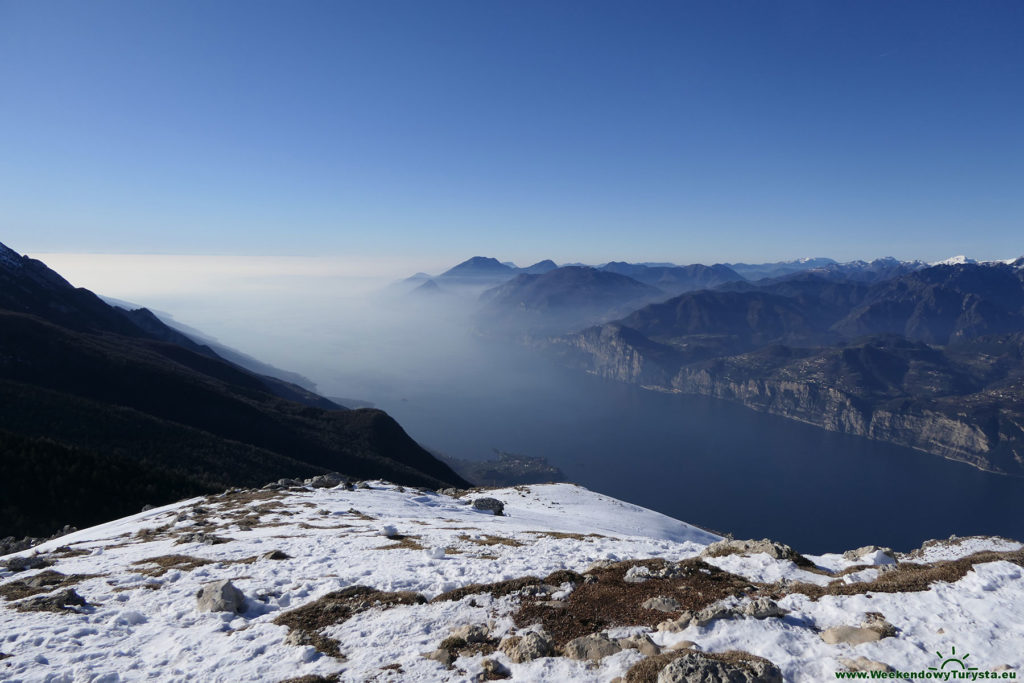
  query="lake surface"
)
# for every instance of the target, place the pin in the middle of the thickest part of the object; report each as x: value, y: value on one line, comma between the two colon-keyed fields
x: 702, y: 460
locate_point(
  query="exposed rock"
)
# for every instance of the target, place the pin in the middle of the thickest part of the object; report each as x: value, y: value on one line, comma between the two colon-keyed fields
x: 527, y: 646
x: 680, y: 623
x: 852, y: 635
x: 20, y: 564
x: 662, y: 604
x: 637, y: 574
x: 201, y: 537
x: 62, y: 601
x: 220, y: 596
x: 494, y: 670
x: 452, y: 493
x: 594, y: 647
x: 712, y: 612
x: 871, y: 554
x: 684, y: 645
x: 325, y: 481
x: 762, y: 608
x: 730, y: 546
x: 641, y: 643
x: 877, y: 622
x: 439, y: 655
x: 489, y: 504
x: 472, y: 633
x: 695, y: 667
x: 860, y: 663
x: 275, y: 555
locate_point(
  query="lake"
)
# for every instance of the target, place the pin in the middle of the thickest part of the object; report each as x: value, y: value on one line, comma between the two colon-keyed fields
x: 701, y: 460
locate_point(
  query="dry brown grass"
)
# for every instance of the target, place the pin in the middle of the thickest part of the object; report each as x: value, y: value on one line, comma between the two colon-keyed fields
x: 43, y: 582
x: 488, y: 539
x: 337, y: 607
x: 566, y: 535
x: 907, y: 577
x: 402, y: 542
x: 608, y: 601
x: 165, y: 563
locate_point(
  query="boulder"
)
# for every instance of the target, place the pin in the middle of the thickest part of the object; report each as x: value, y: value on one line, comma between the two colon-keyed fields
x: 20, y: 564
x: 762, y: 608
x: 527, y: 646
x: 662, y: 604
x: 852, y: 635
x: 220, y: 596
x: 871, y: 554
x: 772, y: 548
x: 694, y: 667
x: 441, y: 655
x: 864, y: 664
x: 494, y: 670
x: 325, y: 481
x: 642, y: 643
x: 680, y: 623
x: 489, y: 505
x: 593, y: 648
x: 472, y: 633
x: 637, y: 574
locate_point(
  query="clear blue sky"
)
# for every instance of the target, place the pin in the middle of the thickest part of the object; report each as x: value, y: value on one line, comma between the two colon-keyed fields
x: 683, y: 131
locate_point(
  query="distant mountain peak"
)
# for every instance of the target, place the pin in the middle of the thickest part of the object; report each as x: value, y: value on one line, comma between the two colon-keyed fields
x: 958, y: 260
x: 479, y: 266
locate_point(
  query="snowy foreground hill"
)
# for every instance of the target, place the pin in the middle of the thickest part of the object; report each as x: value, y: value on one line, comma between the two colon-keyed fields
x: 379, y: 583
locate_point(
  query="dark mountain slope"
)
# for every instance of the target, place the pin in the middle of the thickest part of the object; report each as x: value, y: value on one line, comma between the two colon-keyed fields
x: 676, y: 279
x: 124, y: 397
x: 560, y: 300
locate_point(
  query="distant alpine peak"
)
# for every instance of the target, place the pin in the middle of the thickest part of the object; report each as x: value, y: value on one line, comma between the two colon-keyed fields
x: 958, y: 260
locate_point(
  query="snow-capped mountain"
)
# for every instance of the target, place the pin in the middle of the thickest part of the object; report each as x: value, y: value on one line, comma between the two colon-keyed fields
x: 375, y: 582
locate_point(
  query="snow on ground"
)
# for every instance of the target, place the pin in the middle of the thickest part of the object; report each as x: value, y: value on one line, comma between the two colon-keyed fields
x: 142, y: 621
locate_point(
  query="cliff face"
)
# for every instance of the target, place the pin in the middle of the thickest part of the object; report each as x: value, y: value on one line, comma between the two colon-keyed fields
x: 831, y: 389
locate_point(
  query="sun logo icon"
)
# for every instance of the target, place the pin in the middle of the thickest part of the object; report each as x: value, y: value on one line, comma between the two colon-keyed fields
x: 952, y: 659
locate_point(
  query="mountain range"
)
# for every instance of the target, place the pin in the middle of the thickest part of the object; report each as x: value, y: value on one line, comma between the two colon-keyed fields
x: 106, y: 410
x: 929, y: 356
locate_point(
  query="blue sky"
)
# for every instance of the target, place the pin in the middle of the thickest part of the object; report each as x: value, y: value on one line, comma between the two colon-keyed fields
x: 679, y: 131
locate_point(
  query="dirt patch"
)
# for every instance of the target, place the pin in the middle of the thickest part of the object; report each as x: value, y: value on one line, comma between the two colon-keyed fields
x: 359, y: 515
x: 67, y: 551
x: 306, y: 623
x: 43, y: 582
x: 606, y: 600
x: 488, y: 539
x: 402, y: 542
x: 152, y: 533
x: 907, y: 577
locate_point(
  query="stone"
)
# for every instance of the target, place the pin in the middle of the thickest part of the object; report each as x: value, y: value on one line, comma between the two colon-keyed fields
x: 762, y: 608
x: 871, y: 554
x: 452, y: 493
x: 493, y: 669
x: 275, y: 555
x: 55, y: 602
x: 527, y: 646
x: 490, y: 504
x: 637, y: 574
x: 731, y: 546
x: 325, y: 481
x: 662, y: 604
x: 593, y: 647
x: 20, y: 564
x: 472, y: 633
x: 864, y: 664
x: 712, y: 612
x: 220, y: 596
x: 694, y: 667
x: 642, y: 643
x: 680, y: 623
x: 441, y: 655
x: 684, y: 645
x: 877, y: 622
x: 852, y: 635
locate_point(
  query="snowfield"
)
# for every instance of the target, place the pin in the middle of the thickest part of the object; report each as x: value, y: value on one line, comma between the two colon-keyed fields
x: 140, y: 576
